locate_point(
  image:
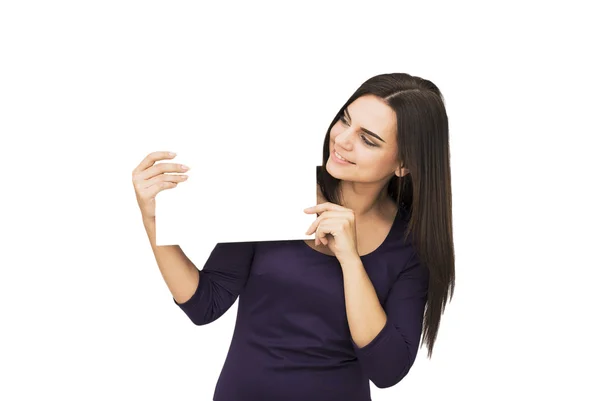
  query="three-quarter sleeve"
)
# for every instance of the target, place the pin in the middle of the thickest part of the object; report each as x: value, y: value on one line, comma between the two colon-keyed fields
x: 221, y: 280
x: 390, y: 355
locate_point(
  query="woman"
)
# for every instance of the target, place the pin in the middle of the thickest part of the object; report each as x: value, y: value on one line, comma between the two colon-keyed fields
x: 319, y: 319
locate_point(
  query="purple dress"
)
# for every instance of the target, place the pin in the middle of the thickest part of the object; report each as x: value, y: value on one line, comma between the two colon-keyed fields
x: 291, y: 339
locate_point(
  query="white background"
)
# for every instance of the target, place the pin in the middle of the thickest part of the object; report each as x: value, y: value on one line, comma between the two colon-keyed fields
x: 87, y: 89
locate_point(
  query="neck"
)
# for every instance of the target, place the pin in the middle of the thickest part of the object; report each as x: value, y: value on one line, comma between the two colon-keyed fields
x: 367, y: 200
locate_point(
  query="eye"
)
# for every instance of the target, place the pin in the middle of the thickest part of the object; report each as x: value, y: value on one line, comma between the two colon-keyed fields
x: 367, y: 142
x: 343, y: 120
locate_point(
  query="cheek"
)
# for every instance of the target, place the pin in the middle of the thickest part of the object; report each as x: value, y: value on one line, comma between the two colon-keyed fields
x: 334, y: 132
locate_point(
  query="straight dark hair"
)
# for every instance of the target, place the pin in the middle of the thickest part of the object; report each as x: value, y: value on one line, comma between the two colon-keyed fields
x: 425, y: 192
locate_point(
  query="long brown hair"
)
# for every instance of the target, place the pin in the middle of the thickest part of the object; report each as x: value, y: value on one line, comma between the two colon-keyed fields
x: 425, y: 192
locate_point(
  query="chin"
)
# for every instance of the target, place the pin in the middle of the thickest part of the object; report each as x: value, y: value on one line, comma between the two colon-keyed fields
x: 331, y: 165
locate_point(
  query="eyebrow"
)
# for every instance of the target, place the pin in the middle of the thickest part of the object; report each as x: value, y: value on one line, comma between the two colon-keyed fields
x: 366, y: 131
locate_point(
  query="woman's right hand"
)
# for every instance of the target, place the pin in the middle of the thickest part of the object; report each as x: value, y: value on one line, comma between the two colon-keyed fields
x: 149, y: 179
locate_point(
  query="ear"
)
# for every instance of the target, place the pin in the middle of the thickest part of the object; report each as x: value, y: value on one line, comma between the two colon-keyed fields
x: 401, y: 172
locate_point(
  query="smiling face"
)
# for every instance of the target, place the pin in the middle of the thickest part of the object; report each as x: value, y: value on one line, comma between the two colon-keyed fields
x: 365, y: 136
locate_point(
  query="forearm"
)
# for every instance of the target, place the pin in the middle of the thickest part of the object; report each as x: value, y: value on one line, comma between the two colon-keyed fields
x: 366, y: 317
x: 178, y: 271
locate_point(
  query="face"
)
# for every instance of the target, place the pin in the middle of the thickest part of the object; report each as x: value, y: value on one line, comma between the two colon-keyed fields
x: 365, y: 136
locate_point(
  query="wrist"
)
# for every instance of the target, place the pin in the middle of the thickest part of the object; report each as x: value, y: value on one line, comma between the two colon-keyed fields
x: 147, y: 219
x: 350, y: 260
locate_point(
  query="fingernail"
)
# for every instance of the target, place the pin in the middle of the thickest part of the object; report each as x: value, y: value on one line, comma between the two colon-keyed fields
x: 172, y: 154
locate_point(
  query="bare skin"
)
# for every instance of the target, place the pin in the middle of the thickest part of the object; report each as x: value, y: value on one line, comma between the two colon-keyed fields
x: 365, y: 135
x: 370, y: 234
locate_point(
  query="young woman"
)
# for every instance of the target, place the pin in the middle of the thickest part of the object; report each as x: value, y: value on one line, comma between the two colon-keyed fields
x: 320, y: 319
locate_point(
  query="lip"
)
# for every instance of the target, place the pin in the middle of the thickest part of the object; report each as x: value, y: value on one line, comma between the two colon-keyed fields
x: 334, y: 157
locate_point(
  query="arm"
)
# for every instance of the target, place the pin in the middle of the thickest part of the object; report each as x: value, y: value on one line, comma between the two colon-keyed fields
x: 386, y: 339
x: 204, y: 295
x: 220, y: 282
x: 179, y: 273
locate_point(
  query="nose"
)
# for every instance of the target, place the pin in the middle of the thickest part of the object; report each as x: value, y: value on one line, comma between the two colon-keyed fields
x: 343, y: 141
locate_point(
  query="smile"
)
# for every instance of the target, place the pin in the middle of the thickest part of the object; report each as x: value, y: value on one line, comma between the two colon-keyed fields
x: 340, y: 159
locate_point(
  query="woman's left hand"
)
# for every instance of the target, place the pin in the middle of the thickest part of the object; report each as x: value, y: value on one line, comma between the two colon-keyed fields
x: 336, y: 228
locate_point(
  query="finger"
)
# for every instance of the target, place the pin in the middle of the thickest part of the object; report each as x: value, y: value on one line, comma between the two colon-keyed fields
x: 158, y: 187
x: 174, y: 178
x: 323, y: 216
x: 317, y: 242
x: 320, y: 235
x: 321, y: 207
x: 323, y: 236
x: 151, y: 158
x: 314, y: 225
x: 161, y: 168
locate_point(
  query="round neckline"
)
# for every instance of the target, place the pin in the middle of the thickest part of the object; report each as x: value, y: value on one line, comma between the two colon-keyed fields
x: 387, y: 237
